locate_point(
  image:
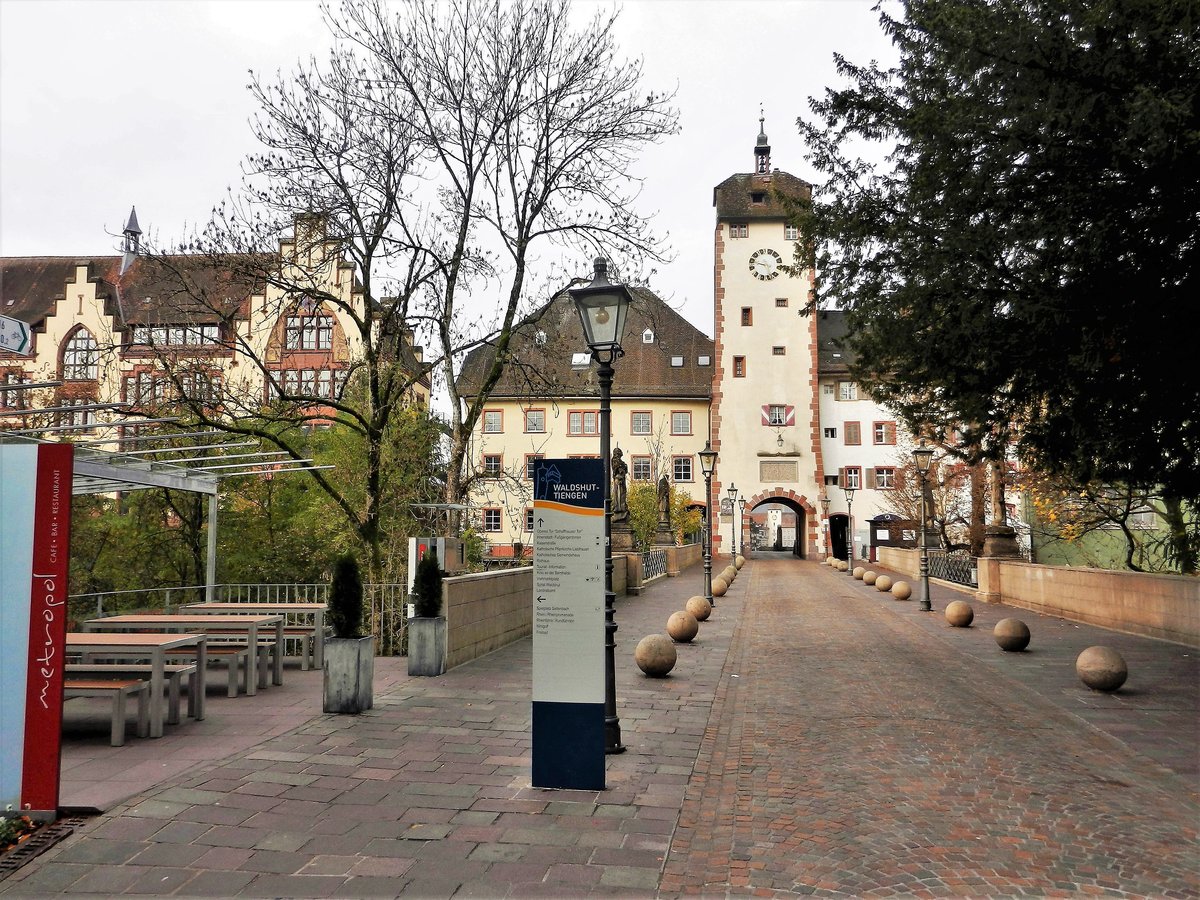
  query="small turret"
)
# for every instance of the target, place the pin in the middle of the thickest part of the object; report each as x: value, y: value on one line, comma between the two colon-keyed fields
x: 762, y: 150
x: 133, y: 240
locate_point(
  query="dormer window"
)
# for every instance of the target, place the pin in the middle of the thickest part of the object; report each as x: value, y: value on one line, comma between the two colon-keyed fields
x: 677, y: 362
x: 704, y: 360
x: 758, y: 198
x: 540, y: 339
x: 648, y: 336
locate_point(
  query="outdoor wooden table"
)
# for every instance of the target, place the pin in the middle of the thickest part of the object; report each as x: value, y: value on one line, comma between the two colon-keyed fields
x: 314, y: 610
x: 207, y: 623
x: 140, y: 645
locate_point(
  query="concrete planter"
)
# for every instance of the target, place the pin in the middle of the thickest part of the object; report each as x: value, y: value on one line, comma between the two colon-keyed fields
x: 349, y: 675
x: 427, y: 645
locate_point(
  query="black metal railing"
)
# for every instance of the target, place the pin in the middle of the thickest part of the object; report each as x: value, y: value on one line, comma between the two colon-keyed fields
x: 654, y: 564
x: 956, y: 566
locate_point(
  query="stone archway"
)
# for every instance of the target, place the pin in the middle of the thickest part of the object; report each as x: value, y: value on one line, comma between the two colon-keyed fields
x: 804, y: 537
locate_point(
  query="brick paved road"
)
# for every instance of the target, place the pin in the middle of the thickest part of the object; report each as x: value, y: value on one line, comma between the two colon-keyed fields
x: 815, y: 739
x: 852, y: 752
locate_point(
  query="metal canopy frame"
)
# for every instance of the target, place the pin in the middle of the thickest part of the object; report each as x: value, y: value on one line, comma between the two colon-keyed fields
x: 99, y: 471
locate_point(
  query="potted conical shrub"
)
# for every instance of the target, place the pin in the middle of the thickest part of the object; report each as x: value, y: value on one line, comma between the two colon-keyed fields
x: 427, y: 626
x: 349, y: 685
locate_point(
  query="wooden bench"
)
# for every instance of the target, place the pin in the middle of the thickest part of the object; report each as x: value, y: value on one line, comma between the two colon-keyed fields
x: 173, y: 674
x: 305, y: 635
x: 235, y: 656
x: 118, y: 690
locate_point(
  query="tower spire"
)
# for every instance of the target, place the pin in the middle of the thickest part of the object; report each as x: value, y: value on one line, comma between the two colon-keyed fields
x: 133, y: 240
x: 762, y: 149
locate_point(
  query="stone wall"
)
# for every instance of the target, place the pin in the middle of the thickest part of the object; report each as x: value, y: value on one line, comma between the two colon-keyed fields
x: 1160, y: 606
x: 485, y: 611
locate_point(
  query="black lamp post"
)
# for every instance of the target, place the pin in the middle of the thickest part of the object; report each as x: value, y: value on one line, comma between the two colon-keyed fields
x: 732, y: 495
x: 922, y: 457
x: 708, y: 465
x: 741, y: 522
x: 825, y: 513
x: 602, y: 308
x: 849, y: 489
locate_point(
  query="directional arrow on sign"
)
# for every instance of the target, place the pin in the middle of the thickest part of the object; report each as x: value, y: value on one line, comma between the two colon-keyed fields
x: 15, y: 335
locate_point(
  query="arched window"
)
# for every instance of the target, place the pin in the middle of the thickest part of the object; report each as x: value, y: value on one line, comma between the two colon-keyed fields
x: 81, y: 357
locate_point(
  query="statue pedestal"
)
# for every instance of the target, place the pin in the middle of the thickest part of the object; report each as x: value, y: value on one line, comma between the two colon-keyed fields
x: 664, y: 537
x: 1000, y: 541
x: 622, y: 537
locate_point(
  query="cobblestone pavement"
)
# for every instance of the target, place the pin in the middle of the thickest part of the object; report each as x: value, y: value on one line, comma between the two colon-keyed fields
x: 816, y: 738
x: 853, y: 752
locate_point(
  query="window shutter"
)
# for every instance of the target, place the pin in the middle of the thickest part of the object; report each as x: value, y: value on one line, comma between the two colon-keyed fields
x: 870, y: 479
x: 842, y: 477
x: 766, y: 414
x: 790, y: 418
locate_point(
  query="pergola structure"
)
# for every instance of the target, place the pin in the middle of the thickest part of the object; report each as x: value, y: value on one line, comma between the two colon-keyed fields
x: 101, y: 471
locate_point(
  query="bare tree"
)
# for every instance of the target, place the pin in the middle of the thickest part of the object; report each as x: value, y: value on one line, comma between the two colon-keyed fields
x: 529, y: 127
x: 405, y: 182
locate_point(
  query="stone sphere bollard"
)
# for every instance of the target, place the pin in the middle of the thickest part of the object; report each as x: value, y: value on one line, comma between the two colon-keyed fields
x: 883, y: 583
x: 901, y: 590
x: 842, y: 565
x: 699, y: 607
x: 719, y: 586
x: 682, y: 626
x: 869, y: 576
x: 729, y: 573
x: 959, y: 613
x: 859, y: 572
x: 655, y: 655
x: 1101, y: 668
x: 740, y: 561
x: 1011, y: 634
x: 829, y: 560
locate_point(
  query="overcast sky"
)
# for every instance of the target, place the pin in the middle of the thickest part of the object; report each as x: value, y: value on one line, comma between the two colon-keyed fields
x: 108, y: 104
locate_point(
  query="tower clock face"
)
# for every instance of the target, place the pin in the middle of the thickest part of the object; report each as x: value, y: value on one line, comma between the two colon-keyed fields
x: 764, y: 264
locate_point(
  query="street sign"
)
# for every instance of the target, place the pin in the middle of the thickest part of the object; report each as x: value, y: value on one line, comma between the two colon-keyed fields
x: 15, y: 336
x: 568, y: 624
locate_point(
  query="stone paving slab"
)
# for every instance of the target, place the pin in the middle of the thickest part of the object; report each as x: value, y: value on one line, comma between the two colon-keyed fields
x: 817, y: 738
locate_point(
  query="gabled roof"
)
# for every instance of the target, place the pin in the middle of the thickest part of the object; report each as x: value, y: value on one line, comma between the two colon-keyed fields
x: 733, y: 197
x: 29, y: 285
x: 185, y: 289
x: 544, y: 343
x: 175, y: 289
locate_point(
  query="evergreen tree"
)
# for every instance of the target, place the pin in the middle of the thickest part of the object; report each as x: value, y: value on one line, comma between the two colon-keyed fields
x: 1023, y: 265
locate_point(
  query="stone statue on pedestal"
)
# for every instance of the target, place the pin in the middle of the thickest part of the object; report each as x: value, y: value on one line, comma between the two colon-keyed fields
x: 619, y: 506
x: 664, y: 504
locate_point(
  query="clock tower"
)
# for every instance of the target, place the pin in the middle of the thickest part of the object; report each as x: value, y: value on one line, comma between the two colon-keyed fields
x: 765, y: 407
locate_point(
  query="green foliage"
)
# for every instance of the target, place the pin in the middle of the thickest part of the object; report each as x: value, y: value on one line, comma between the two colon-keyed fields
x: 643, y: 513
x: 1025, y: 261
x: 272, y: 529
x: 13, y: 828
x: 473, y: 548
x: 346, y: 598
x: 427, y: 587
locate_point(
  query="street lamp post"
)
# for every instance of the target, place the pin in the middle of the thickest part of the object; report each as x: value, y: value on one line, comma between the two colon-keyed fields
x: 602, y: 308
x: 825, y: 513
x: 742, y: 522
x: 732, y: 495
x: 849, y: 490
x: 708, y: 465
x: 922, y: 457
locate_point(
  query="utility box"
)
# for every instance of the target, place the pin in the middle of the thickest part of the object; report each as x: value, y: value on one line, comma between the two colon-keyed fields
x: 451, y: 554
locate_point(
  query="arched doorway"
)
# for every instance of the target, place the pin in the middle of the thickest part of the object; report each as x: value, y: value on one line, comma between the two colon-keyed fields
x: 781, y: 521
